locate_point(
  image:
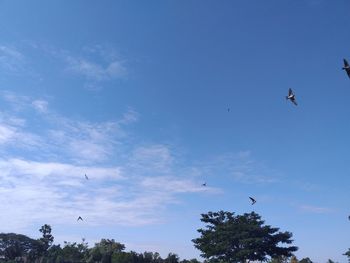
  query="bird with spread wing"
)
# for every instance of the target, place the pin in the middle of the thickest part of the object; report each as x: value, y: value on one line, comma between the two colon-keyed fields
x: 291, y: 96
x: 346, y: 67
x: 253, y: 200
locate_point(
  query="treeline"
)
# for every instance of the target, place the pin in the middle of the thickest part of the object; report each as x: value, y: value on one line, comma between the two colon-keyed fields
x: 226, y: 238
x: 17, y: 248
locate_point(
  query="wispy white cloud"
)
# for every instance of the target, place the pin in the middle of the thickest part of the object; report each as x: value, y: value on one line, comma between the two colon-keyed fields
x: 315, y: 209
x: 130, y: 116
x: 50, y: 180
x: 40, y: 105
x: 94, y: 71
x: 11, y: 59
x: 241, y: 167
x: 156, y: 158
x: 13, y: 134
x: 172, y: 184
x: 15, y: 102
x: 95, y: 63
x: 82, y: 140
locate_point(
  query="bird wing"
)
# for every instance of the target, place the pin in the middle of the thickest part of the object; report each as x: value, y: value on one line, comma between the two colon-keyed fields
x: 295, y: 103
x: 290, y: 92
x: 348, y: 72
x: 251, y: 198
x: 346, y: 64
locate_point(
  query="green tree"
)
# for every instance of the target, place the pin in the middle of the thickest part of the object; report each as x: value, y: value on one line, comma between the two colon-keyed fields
x: 281, y: 259
x: 95, y: 255
x: 54, y: 254
x: 104, y: 250
x: 150, y: 257
x: 74, y: 252
x: 126, y: 257
x: 190, y: 261
x: 47, y: 238
x: 172, y: 258
x: 14, y: 246
x: 241, y: 238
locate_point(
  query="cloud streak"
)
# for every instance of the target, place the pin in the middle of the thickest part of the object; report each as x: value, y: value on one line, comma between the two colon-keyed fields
x: 43, y: 170
x: 315, y: 209
x: 93, y: 71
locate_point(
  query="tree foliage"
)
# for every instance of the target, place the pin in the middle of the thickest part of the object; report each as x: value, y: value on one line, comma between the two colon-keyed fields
x: 47, y: 238
x: 347, y: 254
x: 229, y: 238
x: 15, y: 248
x: 305, y: 260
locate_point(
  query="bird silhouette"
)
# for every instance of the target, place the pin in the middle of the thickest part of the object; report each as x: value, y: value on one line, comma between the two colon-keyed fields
x: 253, y: 200
x: 346, y: 67
x: 204, y: 184
x: 87, y: 178
x: 79, y: 218
x: 291, y: 97
x: 349, y: 217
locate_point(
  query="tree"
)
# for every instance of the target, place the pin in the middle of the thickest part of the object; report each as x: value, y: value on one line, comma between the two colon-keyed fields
x: 126, y: 257
x: 306, y: 260
x: 294, y: 259
x: 240, y: 238
x: 45, y: 242
x: 190, y: 261
x: 281, y: 259
x: 104, y: 250
x: 172, y: 258
x: 347, y: 254
x: 150, y: 257
x: 14, y: 246
x: 54, y: 254
x: 47, y: 238
x: 74, y: 252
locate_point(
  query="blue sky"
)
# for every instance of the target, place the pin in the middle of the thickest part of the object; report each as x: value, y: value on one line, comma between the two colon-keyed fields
x: 135, y: 94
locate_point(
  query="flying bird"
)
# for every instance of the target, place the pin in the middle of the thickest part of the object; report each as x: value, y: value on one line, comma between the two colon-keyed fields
x: 87, y: 178
x: 79, y: 218
x: 349, y: 217
x: 291, y: 97
x: 204, y: 184
x: 346, y: 67
x: 253, y: 200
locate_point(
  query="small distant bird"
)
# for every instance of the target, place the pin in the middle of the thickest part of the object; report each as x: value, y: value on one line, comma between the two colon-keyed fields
x: 349, y: 217
x: 87, y: 178
x: 346, y: 67
x: 253, y: 200
x: 291, y: 97
x: 79, y: 218
x: 204, y: 184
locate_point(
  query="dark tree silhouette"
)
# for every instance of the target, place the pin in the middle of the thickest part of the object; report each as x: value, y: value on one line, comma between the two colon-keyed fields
x: 14, y: 246
x: 347, y: 254
x: 305, y: 260
x: 47, y: 238
x: 241, y: 238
